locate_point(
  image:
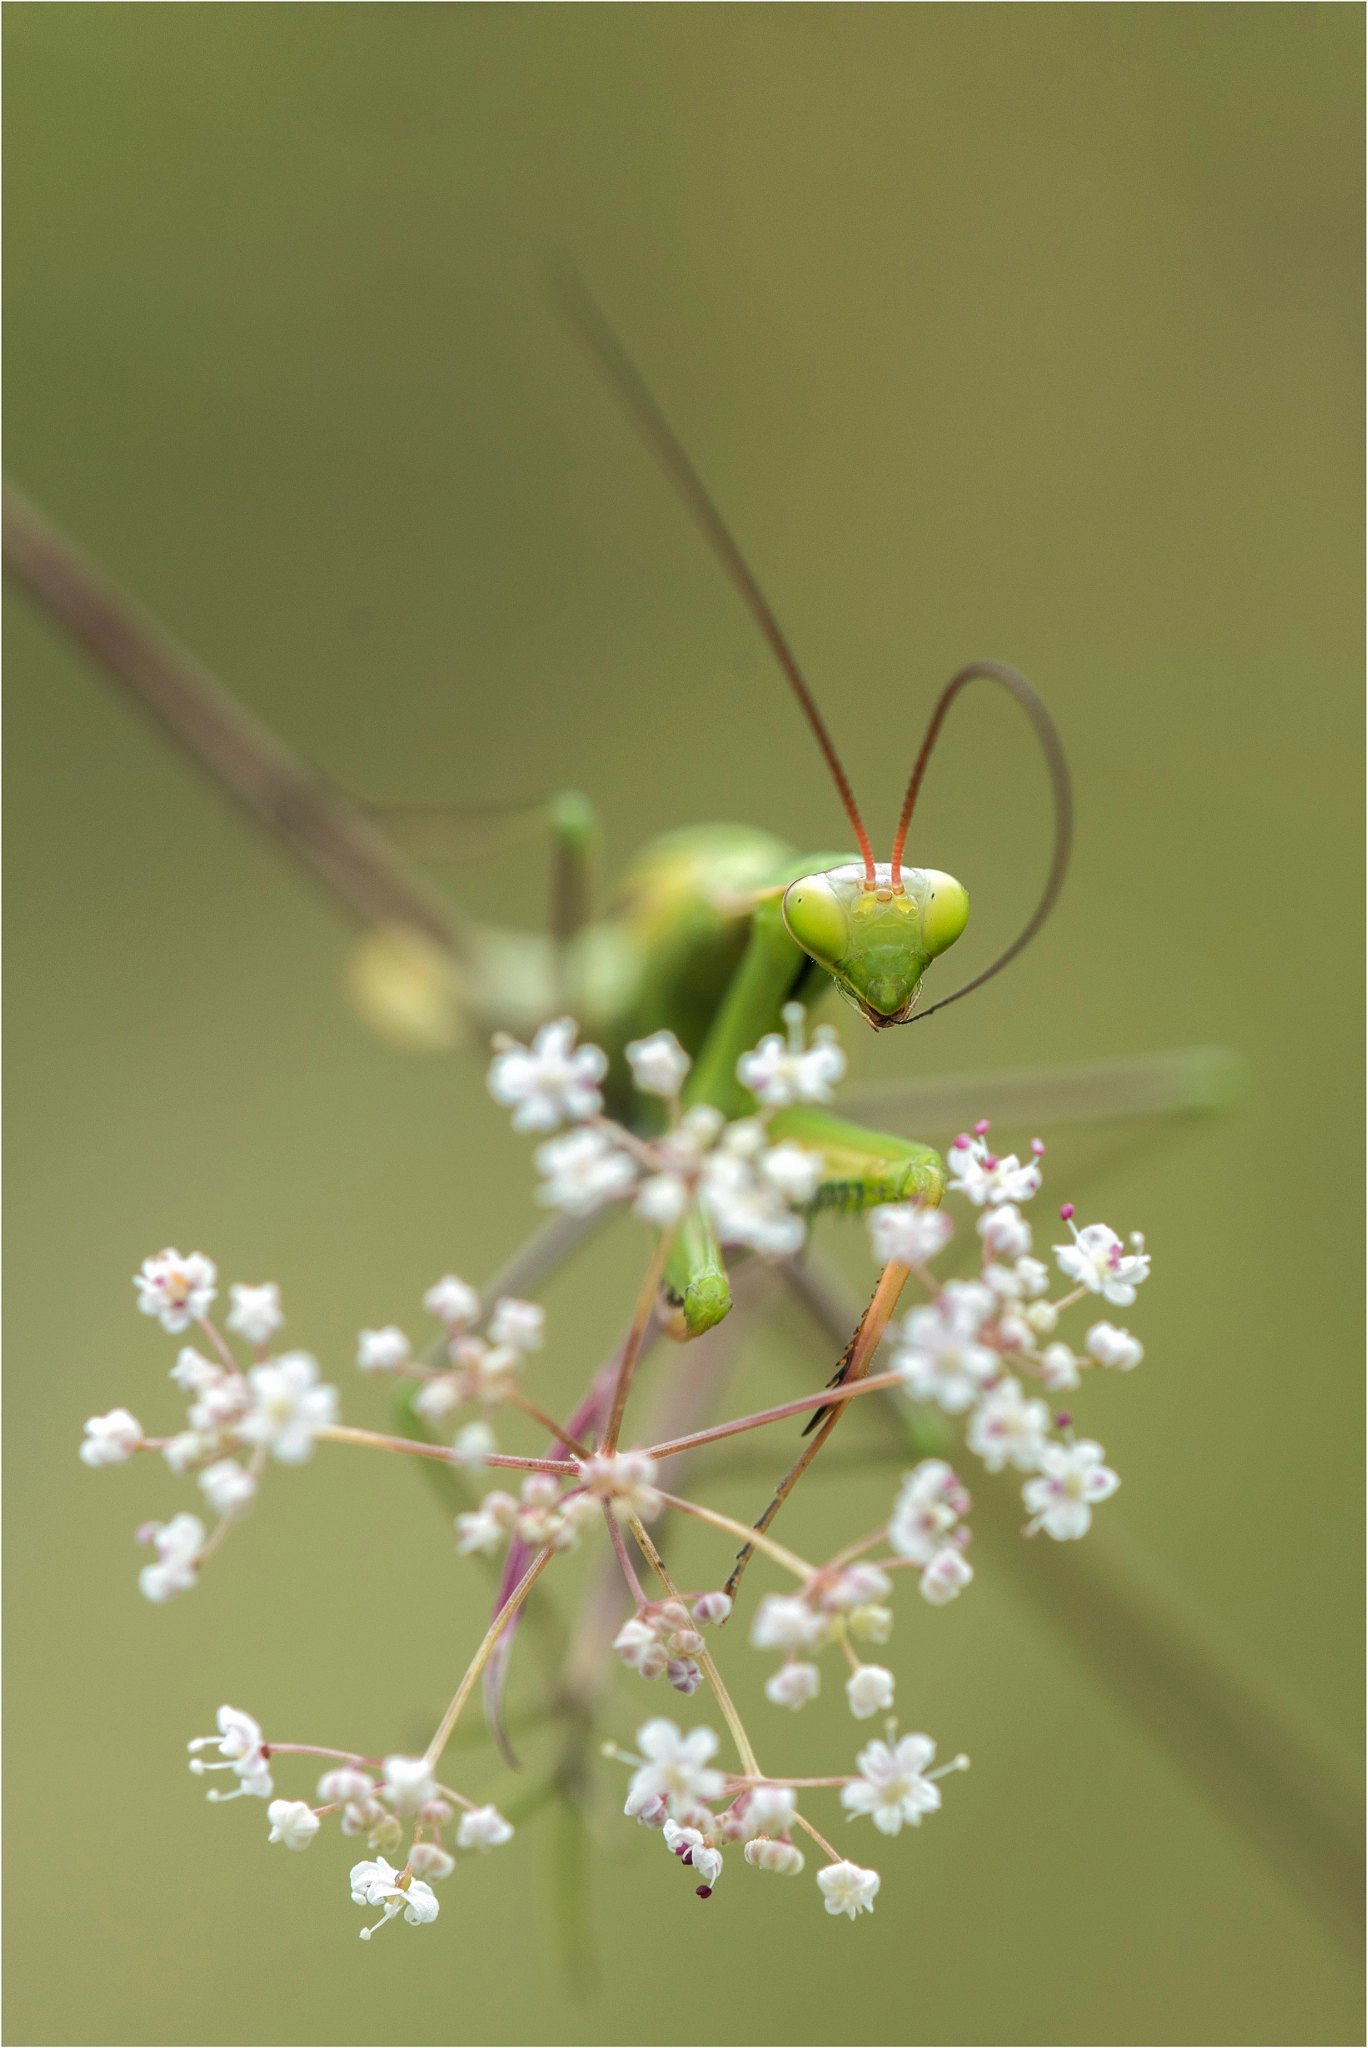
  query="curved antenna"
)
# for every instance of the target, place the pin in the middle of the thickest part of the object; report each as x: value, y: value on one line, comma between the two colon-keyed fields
x: 659, y: 437
x: 1061, y: 790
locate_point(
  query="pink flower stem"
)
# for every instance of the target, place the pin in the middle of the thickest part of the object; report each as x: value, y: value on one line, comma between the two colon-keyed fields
x: 619, y: 1544
x: 829, y: 1397
x: 820, y: 1840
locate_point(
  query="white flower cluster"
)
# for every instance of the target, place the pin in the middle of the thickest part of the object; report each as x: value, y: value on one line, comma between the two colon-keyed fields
x: 544, y: 1516
x: 963, y: 1348
x: 481, y: 1369
x: 274, y: 1409
x: 661, y: 1639
x: 676, y: 1787
x: 404, y: 1800
x: 972, y: 1347
x: 752, y: 1191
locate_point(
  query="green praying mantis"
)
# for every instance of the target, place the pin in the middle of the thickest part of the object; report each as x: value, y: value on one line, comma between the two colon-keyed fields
x: 713, y: 932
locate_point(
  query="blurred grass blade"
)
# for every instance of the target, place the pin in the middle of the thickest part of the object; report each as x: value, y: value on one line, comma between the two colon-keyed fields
x: 571, y: 1899
x: 1195, y: 1080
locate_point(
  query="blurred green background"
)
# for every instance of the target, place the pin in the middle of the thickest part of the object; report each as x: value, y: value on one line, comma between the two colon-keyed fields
x: 1019, y: 331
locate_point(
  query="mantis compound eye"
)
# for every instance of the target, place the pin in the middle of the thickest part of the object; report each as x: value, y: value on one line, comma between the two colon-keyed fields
x: 945, y: 911
x: 817, y: 919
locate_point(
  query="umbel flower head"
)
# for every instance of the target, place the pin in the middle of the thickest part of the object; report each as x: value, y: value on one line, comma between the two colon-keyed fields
x: 983, y: 1350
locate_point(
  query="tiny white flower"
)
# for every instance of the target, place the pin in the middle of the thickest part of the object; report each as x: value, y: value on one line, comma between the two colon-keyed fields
x: 780, y: 1071
x: 474, y: 1444
x: 928, y: 1506
x: 908, y: 1232
x: 187, y: 1450
x: 581, y: 1171
x: 626, y: 1481
x: 784, y: 1622
x: 710, y: 1609
x: 945, y: 1577
x: 1022, y: 1281
x: 256, y: 1313
x: 856, y: 1586
x: 494, y: 1372
x: 635, y: 1642
x: 661, y: 1200
x: 519, y: 1324
x: 676, y: 1768
x: 193, y: 1373
x: 846, y: 1888
x: 780, y: 1856
x: 293, y: 1822
x: 429, y: 1859
x: 376, y: 1884
x: 688, y: 1844
x: 1058, y: 1369
x: 1005, y: 1232
x: 1097, y: 1261
x: 940, y: 1357
x: 289, y: 1407
x: 486, y: 1530
x: 978, y: 1175
x: 483, y: 1828
x: 745, y: 1207
x: 452, y: 1302
x: 770, y: 1810
x: 227, y: 1487
x: 438, y: 1398
x: 111, y: 1439
x: 890, y: 1787
x: 240, y: 1745
x: 409, y: 1783
x: 869, y: 1690
x: 176, y: 1290
x: 1007, y: 1429
x: 1073, y: 1477
x: 382, y: 1350
x: 550, y: 1082
x: 659, y: 1064
x: 793, y: 1685
x: 1104, y: 1341
x: 178, y: 1544
x: 345, y: 1787
x: 793, y: 1172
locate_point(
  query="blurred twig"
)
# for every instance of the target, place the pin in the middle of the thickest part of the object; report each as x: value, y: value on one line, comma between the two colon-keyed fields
x: 359, y: 863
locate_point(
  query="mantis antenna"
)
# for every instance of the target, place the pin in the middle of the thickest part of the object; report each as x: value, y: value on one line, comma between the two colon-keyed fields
x: 1060, y: 789
x: 660, y: 438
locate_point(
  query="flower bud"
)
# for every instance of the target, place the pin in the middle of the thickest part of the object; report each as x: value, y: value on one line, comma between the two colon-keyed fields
x: 675, y: 1613
x: 345, y: 1786
x: 653, y: 1663
x: 685, y: 1642
x: 780, y: 1856
x: 387, y: 1834
x: 655, y: 1812
x: 683, y: 1674
x: 710, y: 1609
x: 426, y: 1859
x: 869, y: 1690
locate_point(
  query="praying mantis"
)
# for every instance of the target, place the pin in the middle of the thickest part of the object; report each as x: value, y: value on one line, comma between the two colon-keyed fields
x: 714, y: 931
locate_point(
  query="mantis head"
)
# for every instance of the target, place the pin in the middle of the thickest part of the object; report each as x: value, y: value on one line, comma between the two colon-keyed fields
x: 876, y: 938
